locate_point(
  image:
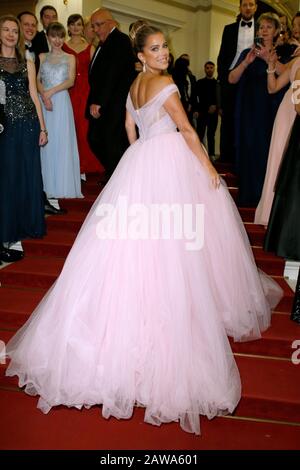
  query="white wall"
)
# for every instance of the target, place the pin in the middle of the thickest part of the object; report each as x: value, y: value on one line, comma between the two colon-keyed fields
x: 63, y: 11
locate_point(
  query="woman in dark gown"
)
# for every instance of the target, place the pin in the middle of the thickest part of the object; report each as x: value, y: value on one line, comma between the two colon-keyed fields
x: 254, y: 113
x: 21, y: 198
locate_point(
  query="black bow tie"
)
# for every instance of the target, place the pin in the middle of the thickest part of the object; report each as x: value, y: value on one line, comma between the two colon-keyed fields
x: 29, y: 48
x: 246, y: 23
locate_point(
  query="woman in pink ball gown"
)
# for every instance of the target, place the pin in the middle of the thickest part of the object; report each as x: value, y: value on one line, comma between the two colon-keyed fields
x: 139, y: 318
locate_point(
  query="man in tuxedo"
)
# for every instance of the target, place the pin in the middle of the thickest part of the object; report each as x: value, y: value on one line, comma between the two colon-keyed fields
x: 110, y: 76
x: 236, y: 37
x: 29, y: 23
x: 48, y: 14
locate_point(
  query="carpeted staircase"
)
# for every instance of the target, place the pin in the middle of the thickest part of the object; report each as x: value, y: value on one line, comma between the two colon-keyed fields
x: 267, y: 417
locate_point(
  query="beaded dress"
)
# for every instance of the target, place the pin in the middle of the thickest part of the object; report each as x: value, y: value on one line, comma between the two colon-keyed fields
x: 60, y: 158
x: 21, y: 198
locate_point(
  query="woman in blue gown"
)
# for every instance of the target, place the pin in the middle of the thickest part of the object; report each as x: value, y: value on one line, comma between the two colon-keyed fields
x: 60, y: 159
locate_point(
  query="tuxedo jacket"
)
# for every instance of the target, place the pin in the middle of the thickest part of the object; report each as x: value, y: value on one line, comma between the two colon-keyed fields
x: 227, y: 50
x: 39, y: 43
x: 111, y: 74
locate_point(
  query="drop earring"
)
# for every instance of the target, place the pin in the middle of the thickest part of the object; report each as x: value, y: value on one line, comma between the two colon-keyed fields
x: 144, y: 66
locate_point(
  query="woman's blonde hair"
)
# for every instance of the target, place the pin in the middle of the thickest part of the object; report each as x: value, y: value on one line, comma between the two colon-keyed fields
x: 20, y: 46
x: 273, y: 18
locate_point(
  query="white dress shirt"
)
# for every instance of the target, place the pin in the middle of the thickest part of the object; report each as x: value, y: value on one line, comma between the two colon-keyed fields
x: 245, y: 40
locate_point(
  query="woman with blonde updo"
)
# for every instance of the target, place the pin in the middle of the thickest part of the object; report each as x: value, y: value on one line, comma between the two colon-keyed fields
x: 141, y: 311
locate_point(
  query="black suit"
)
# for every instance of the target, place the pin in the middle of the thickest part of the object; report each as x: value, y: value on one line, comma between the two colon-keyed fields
x: 227, y: 50
x: 206, y: 90
x: 228, y: 91
x: 39, y: 45
x: 110, y: 77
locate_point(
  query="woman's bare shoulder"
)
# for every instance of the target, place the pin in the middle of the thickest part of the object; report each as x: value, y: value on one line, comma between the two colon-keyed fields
x: 159, y: 83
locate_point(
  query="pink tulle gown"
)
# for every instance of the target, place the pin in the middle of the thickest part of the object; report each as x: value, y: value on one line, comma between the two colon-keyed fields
x: 144, y: 322
x: 280, y: 136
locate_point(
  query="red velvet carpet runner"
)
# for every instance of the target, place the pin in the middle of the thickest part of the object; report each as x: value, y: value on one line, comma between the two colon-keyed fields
x: 268, y: 416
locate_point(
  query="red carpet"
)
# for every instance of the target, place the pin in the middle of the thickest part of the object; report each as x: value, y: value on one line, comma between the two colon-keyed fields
x: 267, y: 417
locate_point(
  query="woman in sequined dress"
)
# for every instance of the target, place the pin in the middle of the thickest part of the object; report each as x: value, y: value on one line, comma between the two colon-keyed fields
x: 21, y: 198
x: 60, y: 159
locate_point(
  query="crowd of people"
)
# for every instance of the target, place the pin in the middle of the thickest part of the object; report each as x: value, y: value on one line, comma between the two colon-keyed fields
x: 141, y: 321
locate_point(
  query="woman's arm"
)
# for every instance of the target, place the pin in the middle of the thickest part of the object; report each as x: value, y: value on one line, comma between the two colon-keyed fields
x: 130, y: 128
x: 175, y: 109
x: 39, y: 83
x: 67, y: 83
x: 47, y: 102
x: 43, y: 138
x: 235, y: 74
x: 276, y: 83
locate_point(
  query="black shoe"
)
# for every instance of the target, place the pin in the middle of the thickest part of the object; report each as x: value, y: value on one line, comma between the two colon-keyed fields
x: 51, y: 210
x: 9, y: 256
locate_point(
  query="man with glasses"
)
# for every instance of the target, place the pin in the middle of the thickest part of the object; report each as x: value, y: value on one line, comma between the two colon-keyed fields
x: 110, y: 76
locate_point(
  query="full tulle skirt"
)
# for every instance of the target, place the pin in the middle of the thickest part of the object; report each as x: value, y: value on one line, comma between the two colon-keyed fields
x: 143, y: 320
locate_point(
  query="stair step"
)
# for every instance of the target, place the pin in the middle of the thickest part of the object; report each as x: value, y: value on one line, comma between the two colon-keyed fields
x: 270, y: 389
x: 231, y: 179
x: 16, y: 305
x: 247, y: 213
x: 32, y: 272
x: 56, y: 243
x: 71, y: 221
x: 234, y: 192
x: 276, y: 341
x: 285, y: 304
x: 256, y: 233
x: 268, y: 262
x: 82, y: 205
x: 223, y: 167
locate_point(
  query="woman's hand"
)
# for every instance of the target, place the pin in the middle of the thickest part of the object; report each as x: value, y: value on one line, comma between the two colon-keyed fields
x: 214, y: 176
x: 47, y: 95
x: 264, y: 53
x: 250, y: 57
x: 43, y: 139
x: 48, y: 104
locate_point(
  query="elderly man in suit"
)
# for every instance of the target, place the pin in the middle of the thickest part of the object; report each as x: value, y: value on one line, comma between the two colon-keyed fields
x: 110, y: 76
x: 236, y: 37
